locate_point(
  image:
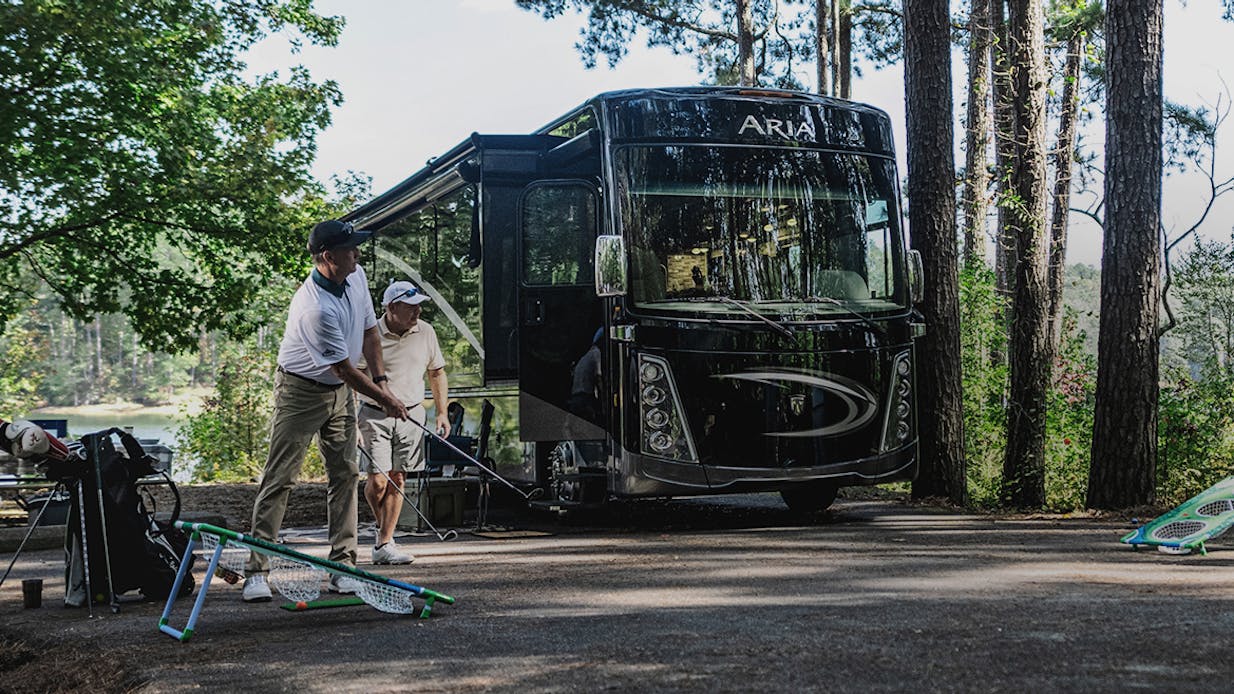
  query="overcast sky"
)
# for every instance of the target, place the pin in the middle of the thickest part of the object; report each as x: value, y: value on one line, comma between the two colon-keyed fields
x: 418, y: 76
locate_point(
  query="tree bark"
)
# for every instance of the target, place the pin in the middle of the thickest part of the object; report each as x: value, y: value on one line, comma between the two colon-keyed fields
x: 931, y: 195
x: 845, y: 39
x: 745, y: 42
x: 1064, y: 159
x: 977, y: 133
x: 98, y: 351
x: 1030, y: 357
x: 1124, y: 453
x: 822, y: 44
x: 1004, y: 150
x: 836, y: 9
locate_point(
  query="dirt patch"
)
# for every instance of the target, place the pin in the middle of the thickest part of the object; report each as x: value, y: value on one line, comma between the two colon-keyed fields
x: 63, y: 666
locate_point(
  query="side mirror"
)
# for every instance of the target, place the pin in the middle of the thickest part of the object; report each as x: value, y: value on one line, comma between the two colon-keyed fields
x: 916, y: 277
x: 610, y: 265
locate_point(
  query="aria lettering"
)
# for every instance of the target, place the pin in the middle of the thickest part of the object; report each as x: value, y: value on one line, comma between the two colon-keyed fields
x: 786, y: 129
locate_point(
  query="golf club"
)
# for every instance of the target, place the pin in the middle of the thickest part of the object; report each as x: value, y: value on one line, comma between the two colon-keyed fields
x: 34, y: 524
x: 444, y: 537
x: 534, y: 494
x: 85, y: 552
x: 95, y: 447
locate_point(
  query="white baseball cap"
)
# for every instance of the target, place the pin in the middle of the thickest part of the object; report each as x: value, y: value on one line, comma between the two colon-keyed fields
x: 405, y: 292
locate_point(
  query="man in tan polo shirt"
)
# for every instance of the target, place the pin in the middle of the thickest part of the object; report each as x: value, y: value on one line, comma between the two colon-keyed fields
x: 410, y: 349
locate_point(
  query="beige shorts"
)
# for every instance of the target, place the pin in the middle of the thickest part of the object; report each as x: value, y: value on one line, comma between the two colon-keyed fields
x: 395, y: 445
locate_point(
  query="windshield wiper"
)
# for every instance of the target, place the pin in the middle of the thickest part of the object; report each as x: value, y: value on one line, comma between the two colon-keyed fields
x: 779, y: 327
x: 856, y: 314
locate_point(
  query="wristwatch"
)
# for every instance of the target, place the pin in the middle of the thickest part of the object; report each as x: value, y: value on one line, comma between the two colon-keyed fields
x: 379, y: 379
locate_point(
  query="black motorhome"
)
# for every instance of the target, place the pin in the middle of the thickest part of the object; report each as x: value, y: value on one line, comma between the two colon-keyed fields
x: 689, y: 291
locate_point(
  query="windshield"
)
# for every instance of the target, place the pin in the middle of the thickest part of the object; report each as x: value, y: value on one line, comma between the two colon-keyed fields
x: 789, y: 230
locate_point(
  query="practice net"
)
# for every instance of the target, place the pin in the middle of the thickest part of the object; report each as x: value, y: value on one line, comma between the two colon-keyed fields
x: 300, y: 581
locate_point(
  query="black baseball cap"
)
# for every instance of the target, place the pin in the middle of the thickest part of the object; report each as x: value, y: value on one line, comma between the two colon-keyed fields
x: 332, y: 234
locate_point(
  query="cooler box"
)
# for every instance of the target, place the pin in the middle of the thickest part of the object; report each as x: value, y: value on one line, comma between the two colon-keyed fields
x: 440, y: 500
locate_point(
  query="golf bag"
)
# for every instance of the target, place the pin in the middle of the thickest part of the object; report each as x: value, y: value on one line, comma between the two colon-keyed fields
x: 124, y: 548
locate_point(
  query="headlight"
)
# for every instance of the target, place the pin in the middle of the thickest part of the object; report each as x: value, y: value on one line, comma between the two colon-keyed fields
x: 651, y: 373
x: 662, y: 425
x: 898, y: 416
x: 656, y: 418
x: 660, y: 441
x: 653, y: 395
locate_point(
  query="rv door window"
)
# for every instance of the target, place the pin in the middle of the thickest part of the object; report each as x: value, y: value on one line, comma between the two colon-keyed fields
x: 559, y: 234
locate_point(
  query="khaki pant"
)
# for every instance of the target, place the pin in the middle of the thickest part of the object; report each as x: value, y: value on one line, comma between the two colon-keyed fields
x: 302, y: 409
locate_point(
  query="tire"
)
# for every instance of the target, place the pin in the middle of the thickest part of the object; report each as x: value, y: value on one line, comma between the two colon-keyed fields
x: 810, y: 497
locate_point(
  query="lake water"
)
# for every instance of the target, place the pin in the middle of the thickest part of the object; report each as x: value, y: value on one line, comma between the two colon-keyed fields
x: 146, y: 425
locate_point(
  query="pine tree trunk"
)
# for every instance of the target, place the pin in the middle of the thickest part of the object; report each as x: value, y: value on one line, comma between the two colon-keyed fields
x: 931, y: 195
x: 1030, y: 357
x: 98, y: 351
x: 977, y: 133
x: 1004, y: 150
x: 745, y: 42
x: 822, y: 44
x: 834, y: 31
x: 845, y: 39
x: 1124, y: 457
x: 1064, y: 158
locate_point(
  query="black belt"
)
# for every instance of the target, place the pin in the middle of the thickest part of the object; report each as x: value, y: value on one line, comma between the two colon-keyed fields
x: 379, y: 408
x: 331, y: 386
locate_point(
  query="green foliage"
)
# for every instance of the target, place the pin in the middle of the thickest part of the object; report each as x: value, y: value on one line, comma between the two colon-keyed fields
x: 227, y: 438
x: 1069, y: 418
x: 784, y: 33
x: 1195, y: 446
x: 1068, y: 18
x: 21, y: 358
x: 983, y: 342
x: 705, y: 29
x: 140, y: 173
x: 1195, y: 424
x: 1204, y: 298
x: 982, y: 339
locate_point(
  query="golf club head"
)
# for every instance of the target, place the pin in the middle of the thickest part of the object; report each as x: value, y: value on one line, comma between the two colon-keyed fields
x: 535, y: 494
x: 448, y: 535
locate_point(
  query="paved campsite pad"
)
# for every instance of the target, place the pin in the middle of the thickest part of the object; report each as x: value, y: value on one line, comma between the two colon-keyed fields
x: 735, y: 594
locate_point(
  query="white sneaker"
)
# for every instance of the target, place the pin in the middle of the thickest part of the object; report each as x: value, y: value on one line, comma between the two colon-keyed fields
x: 389, y: 553
x: 344, y: 585
x: 256, y: 589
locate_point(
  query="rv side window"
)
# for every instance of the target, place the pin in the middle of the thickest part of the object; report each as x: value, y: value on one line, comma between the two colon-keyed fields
x: 579, y: 123
x: 559, y: 234
x: 431, y: 247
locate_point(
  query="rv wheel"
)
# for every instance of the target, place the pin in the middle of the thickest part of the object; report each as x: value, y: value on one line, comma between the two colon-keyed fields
x: 810, y: 497
x: 560, y: 458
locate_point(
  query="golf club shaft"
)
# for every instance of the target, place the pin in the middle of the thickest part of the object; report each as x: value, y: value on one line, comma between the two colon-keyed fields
x: 33, y: 526
x: 471, y: 460
x: 85, y: 553
x: 399, y: 489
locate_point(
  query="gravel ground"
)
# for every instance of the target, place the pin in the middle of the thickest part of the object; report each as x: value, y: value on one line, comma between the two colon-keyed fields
x: 717, y: 594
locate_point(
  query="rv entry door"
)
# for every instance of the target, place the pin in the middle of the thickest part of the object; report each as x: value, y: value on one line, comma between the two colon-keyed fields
x: 559, y: 312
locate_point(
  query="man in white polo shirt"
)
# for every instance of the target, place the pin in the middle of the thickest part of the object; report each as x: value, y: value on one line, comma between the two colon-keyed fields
x: 395, y: 447
x: 331, y: 322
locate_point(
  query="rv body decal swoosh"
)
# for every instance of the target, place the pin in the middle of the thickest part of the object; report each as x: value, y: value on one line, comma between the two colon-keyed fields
x: 860, y: 403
